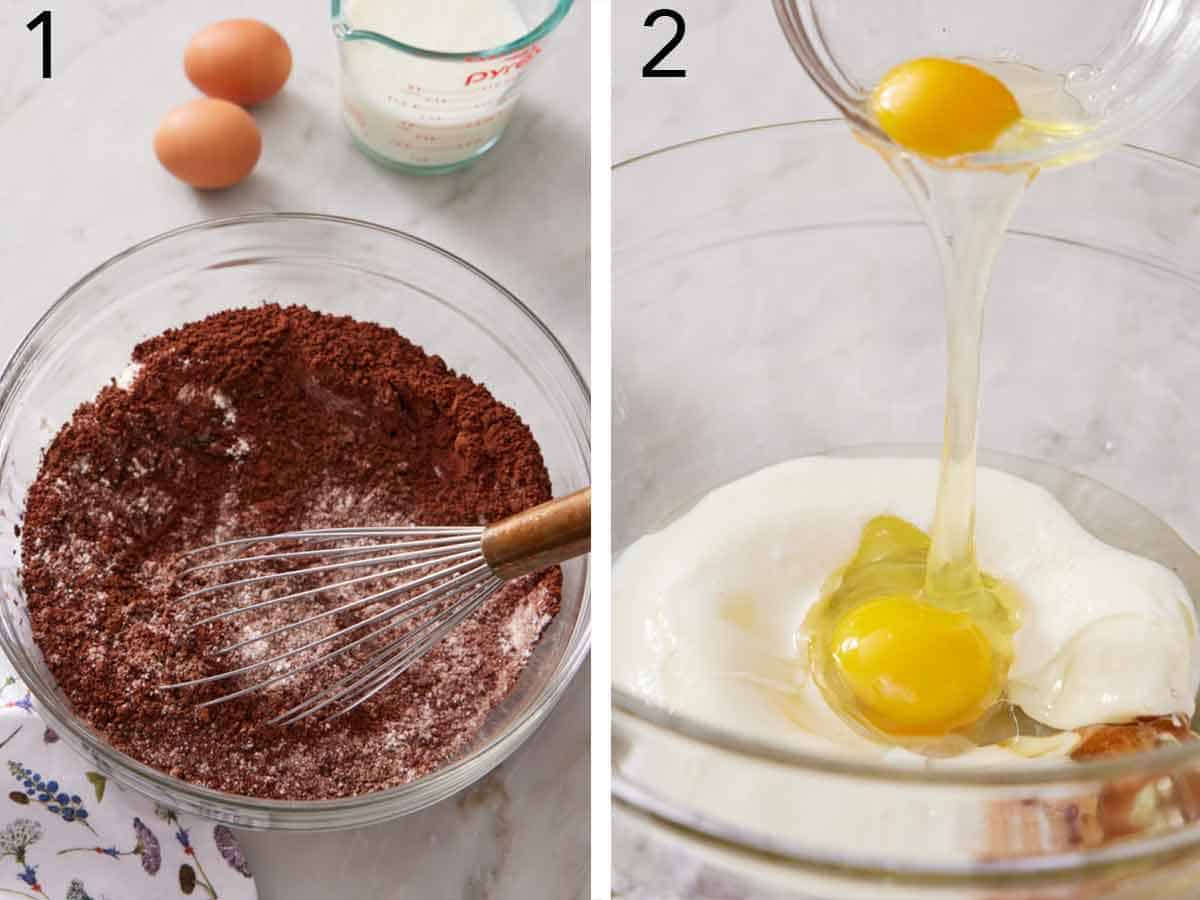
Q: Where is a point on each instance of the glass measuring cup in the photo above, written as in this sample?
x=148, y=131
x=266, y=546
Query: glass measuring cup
x=415, y=101
x=1121, y=62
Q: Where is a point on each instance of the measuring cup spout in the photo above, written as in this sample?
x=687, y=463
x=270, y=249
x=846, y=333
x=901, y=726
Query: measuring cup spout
x=344, y=29
x=341, y=26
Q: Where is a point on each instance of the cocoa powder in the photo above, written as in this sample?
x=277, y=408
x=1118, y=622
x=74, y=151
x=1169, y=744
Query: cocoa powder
x=257, y=421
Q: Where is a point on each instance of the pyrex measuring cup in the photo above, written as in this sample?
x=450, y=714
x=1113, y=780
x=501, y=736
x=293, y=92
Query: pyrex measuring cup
x=1121, y=62
x=414, y=98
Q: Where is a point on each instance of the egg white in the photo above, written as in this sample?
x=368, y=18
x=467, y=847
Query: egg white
x=707, y=611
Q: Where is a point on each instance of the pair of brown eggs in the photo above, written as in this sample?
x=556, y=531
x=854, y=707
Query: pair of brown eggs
x=212, y=142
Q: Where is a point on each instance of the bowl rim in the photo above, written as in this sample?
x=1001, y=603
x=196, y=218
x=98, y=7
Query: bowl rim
x=343, y=29
x=1159, y=760
x=830, y=122
x=289, y=814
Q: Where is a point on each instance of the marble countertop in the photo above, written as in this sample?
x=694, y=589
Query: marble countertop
x=740, y=74
x=83, y=184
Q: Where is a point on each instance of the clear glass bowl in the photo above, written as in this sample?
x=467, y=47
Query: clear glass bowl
x=775, y=296
x=1122, y=62
x=333, y=265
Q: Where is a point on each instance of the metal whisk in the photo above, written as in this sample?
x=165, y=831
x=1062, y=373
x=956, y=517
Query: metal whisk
x=438, y=577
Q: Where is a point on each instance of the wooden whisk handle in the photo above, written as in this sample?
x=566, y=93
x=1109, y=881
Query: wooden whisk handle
x=554, y=532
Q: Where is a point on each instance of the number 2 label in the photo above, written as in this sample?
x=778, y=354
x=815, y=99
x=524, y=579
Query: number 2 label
x=651, y=70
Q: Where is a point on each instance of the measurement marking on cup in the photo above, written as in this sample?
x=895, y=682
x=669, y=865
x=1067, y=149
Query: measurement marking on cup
x=650, y=69
x=506, y=66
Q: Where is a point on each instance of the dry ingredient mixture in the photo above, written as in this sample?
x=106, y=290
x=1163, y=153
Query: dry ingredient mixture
x=256, y=421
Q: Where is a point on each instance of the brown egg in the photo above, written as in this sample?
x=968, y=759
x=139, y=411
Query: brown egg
x=208, y=143
x=241, y=60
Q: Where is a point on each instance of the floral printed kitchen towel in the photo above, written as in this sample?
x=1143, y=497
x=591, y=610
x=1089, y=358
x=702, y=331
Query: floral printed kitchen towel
x=67, y=833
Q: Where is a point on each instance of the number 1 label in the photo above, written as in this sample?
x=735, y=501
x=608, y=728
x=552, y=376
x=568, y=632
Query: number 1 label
x=42, y=21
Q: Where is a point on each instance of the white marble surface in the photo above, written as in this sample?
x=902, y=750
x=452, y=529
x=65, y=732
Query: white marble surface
x=742, y=74
x=82, y=183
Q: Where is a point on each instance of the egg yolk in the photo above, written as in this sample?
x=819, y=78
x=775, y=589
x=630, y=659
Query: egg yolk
x=914, y=669
x=906, y=658
x=943, y=108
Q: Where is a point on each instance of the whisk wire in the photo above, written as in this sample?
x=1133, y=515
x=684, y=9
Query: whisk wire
x=318, y=570
x=428, y=596
x=446, y=543
x=446, y=574
x=406, y=659
x=341, y=585
x=401, y=653
x=474, y=564
x=325, y=534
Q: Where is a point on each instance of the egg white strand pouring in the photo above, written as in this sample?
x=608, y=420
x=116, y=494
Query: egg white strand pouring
x=967, y=213
x=967, y=210
x=901, y=669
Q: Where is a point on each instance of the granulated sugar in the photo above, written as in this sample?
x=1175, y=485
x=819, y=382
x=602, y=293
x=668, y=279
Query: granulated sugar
x=260, y=421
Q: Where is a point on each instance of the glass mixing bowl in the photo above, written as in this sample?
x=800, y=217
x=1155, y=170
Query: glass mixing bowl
x=332, y=265
x=776, y=296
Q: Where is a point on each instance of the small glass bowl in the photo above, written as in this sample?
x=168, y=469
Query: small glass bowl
x=791, y=306
x=1123, y=62
x=332, y=265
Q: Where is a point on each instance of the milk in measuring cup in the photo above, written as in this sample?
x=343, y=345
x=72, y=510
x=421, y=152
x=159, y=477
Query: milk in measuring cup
x=431, y=112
